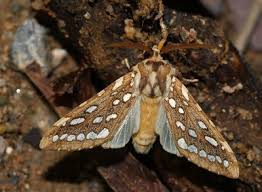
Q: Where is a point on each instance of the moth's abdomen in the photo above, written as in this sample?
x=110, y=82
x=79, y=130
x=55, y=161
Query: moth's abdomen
x=143, y=143
x=145, y=137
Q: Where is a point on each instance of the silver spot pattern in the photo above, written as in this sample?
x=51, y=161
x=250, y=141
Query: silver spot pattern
x=202, y=153
x=116, y=102
x=126, y=97
x=77, y=121
x=103, y=134
x=211, y=158
x=182, y=143
x=226, y=163
x=80, y=137
x=97, y=120
x=192, y=149
x=211, y=140
x=63, y=136
x=91, y=109
x=202, y=125
x=172, y=102
x=180, y=125
x=181, y=110
x=111, y=116
x=71, y=138
x=92, y=135
x=55, y=138
x=219, y=160
x=192, y=133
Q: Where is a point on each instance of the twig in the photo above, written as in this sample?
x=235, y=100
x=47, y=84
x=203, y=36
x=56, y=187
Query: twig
x=243, y=37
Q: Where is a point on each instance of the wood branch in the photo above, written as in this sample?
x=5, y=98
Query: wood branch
x=243, y=37
x=33, y=72
x=90, y=26
x=120, y=177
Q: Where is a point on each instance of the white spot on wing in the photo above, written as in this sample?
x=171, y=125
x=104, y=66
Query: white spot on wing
x=71, y=138
x=180, y=125
x=118, y=83
x=116, y=102
x=80, y=137
x=91, y=109
x=92, y=135
x=63, y=136
x=103, y=134
x=225, y=163
x=181, y=110
x=202, y=125
x=185, y=92
x=111, y=116
x=126, y=97
x=202, y=153
x=172, y=102
x=211, y=140
x=77, y=121
x=211, y=158
x=192, y=149
x=98, y=120
x=218, y=159
x=192, y=133
x=182, y=143
x=55, y=138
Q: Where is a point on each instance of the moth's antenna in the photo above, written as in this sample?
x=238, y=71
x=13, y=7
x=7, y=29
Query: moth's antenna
x=131, y=45
x=162, y=25
x=180, y=46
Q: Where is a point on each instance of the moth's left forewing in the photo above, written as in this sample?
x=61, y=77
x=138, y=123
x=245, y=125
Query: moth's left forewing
x=97, y=120
x=195, y=135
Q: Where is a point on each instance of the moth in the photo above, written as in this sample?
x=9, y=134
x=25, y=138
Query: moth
x=148, y=102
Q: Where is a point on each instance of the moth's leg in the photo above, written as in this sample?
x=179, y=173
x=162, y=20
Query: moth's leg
x=126, y=63
x=185, y=80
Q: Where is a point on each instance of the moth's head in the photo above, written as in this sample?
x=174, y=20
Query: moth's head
x=154, y=75
x=156, y=64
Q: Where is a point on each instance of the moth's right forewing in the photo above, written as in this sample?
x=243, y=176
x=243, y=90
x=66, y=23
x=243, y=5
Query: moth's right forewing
x=195, y=135
x=96, y=121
